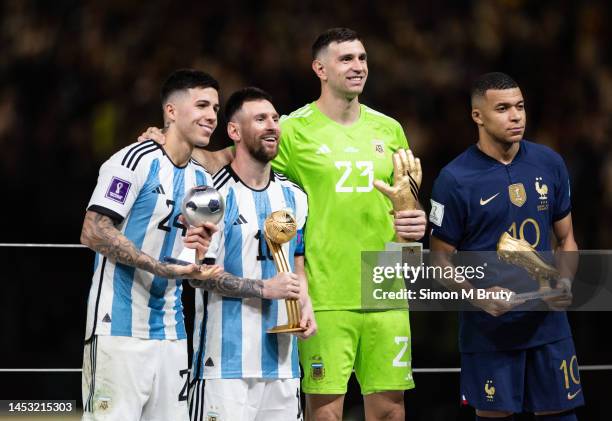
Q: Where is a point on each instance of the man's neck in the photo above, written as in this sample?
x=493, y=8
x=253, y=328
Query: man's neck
x=177, y=148
x=253, y=173
x=342, y=110
x=502, y=152
x=200, y=155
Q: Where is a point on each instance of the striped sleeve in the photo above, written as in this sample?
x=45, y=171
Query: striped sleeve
x=120, y=180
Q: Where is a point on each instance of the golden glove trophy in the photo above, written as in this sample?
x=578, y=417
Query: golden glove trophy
x=404, y=195
x=520, y=253
x=279, y=228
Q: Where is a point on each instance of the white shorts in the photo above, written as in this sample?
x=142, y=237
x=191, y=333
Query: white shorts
x=134, y=379
x=245, y=400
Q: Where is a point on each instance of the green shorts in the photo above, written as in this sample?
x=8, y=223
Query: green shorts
x=375, y=343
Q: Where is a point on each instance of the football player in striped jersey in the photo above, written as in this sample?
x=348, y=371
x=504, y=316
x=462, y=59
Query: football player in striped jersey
x=135, y=314
x=250, y=374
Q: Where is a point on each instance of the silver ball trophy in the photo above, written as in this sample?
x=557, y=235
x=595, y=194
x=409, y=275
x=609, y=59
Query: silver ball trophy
x=201, y=204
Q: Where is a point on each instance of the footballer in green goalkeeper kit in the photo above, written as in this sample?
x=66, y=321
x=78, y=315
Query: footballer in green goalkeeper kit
x=335, y=148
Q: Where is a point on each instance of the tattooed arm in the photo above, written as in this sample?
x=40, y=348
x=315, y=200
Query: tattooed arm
x=99, y=234
x=283, y=285
x=231, y=286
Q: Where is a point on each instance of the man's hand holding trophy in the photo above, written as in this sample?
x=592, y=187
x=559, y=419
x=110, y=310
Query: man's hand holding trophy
x=202, y=208
x=520, y=253
x=404, y=196
x=279, y=228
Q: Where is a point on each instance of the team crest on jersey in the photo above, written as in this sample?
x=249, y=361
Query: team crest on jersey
x=489, y=390
x=379, y=147
x=103, y=404
x=212, y=416
x=542, y=190
x=517, y=194
x=317, y=369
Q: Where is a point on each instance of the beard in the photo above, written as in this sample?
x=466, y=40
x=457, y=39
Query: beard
x=258, y=151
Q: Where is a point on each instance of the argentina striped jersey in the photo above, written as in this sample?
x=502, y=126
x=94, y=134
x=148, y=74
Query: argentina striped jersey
x=230, y=339
x=141, y=190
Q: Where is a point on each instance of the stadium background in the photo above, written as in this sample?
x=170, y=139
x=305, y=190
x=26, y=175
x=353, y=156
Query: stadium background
x=79, y=80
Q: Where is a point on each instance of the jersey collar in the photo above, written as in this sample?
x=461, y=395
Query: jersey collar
x=237, y=178
x=325, y=119
x=484, y=158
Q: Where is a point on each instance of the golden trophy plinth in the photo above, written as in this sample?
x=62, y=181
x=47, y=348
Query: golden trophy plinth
x=279, y=228
x=404, y=195
x=520, y=253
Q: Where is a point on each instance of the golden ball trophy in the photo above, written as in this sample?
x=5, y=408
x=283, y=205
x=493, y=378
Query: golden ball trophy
x=520, y=253
x=404, y=195
x=279, y=228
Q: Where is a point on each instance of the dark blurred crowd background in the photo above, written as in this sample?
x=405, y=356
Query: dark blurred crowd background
x=79, y=80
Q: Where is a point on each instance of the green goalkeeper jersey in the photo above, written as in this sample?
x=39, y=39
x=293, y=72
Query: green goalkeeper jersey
x=336, y=165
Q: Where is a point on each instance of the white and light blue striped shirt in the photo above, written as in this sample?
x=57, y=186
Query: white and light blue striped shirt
x=141, y=190
x=230, y=339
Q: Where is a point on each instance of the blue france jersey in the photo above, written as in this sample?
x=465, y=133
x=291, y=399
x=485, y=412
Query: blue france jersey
x=474, y=200
x=230, y=339
x=141, y=190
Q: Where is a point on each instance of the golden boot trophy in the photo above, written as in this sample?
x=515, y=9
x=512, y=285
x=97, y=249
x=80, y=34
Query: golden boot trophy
x=279, y=228
x=520, y=253
x=404, y=195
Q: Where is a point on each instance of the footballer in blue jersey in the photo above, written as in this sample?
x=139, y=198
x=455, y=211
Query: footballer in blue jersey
x=241, y=372
x=135, y=317
x=512, y=361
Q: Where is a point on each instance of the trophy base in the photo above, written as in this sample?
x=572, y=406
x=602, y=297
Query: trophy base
x=526, y=296
x=411, y=253
x=285, y=329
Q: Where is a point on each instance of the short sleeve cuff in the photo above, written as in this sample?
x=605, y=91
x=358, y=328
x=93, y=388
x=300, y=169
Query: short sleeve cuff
x=562, y=215
x=106, y=212
x=444, y=238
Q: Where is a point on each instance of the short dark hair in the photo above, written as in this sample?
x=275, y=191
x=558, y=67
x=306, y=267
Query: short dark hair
x=333, y=35
x=235, y=101
x=493, y=80
x=184, y=79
